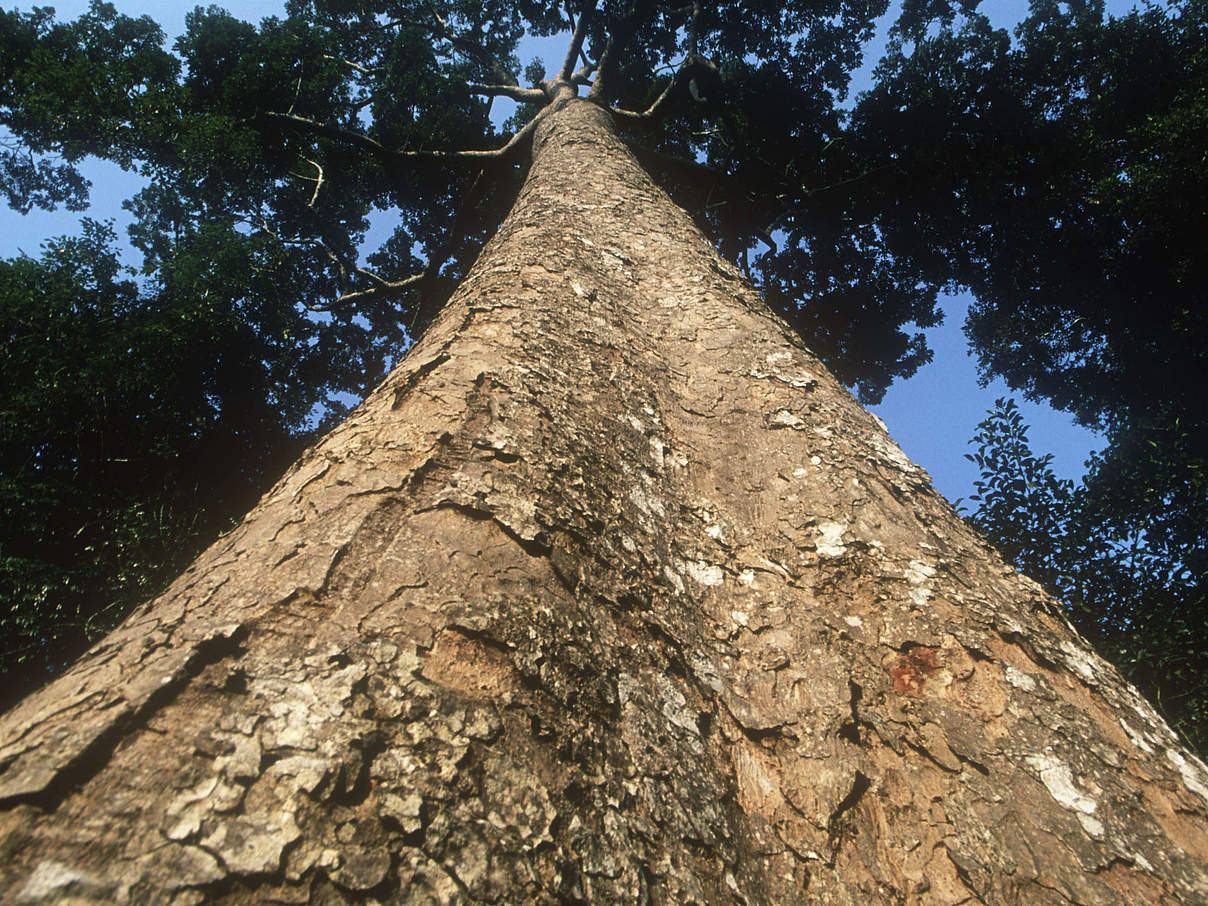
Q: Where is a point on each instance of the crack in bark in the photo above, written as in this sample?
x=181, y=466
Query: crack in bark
x=850, y=729
x=94, y=755
x=836, y=826
x=414, y=376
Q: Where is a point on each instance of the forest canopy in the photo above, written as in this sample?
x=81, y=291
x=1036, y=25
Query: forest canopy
x=1057, y=174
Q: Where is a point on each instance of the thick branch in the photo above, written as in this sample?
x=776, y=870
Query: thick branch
x=583, y=76
x=361, y=140
x=612, y=47
x=514, y=143
x=515, y=92
x=620, y=30
x=566, y=74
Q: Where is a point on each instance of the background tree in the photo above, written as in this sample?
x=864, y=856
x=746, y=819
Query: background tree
x=1128, y=592
x=139, y=422
x=1060, y=178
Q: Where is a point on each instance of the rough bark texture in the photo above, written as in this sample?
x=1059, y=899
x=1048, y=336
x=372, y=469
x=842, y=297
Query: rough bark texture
x=610, y=593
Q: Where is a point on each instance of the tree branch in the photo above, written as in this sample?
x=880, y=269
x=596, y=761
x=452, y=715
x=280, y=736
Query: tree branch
x=382, y=288
x=620, y=29
x=583, y=76
x=382, y=285
x=498, y=71
x=612, y=45
x=692, y=32
x=515, y=92
x=654, y=109
x=695, y=69
x=364, y=141
x=318, y=182
x=363, y=70
x=337, y=132
x=566, y=74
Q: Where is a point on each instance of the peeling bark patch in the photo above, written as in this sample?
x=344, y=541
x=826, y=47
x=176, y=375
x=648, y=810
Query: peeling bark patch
x=1193, y=774
x=470, y=666
x=708, y=574
x=785, y=418
x=829, y=542
x=1019, y=679
x=42, y=774
x=1059, y=781
x=918, y=572
x=910, y=671
x=413, y=376
x=249, y=846
x=1081, y=661
x=54, y=882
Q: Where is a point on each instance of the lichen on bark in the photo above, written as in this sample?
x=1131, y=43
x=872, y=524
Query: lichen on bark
x=610, y=593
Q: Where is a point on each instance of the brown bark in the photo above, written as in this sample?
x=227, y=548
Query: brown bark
x=610, y=593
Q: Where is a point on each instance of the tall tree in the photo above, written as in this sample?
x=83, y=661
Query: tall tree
x=611, y=592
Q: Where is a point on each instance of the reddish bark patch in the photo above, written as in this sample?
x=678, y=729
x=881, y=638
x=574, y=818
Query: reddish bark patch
x=909, y=671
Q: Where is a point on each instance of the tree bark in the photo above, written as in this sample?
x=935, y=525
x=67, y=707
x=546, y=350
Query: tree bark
x=610, y=593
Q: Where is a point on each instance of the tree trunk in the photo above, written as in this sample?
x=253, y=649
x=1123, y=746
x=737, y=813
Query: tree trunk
x=610, y=593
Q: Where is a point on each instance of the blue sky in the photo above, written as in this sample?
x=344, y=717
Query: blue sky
x=932, y=415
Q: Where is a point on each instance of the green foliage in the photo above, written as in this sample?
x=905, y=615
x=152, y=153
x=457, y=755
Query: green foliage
x=1128, y=584
x=138, y=423
x=1061, y=177
x=81, y=88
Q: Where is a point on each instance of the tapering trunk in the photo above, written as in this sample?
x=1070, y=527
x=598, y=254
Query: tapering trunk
x=610, y=593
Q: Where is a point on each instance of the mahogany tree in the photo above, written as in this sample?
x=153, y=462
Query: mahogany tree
x=268, y=150
x=610, y=591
